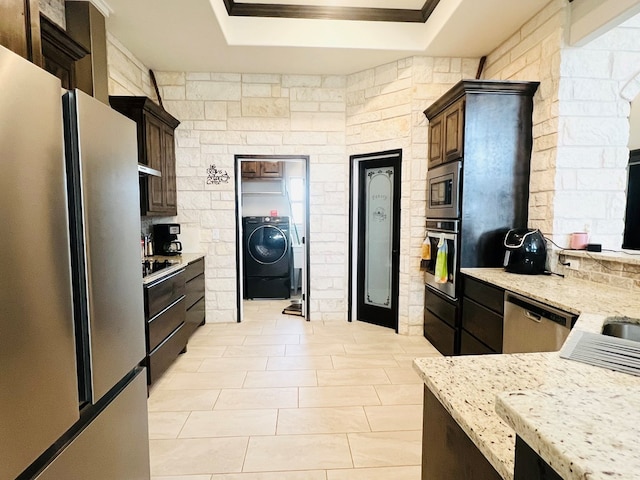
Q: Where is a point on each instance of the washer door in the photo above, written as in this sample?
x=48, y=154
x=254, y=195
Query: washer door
x=267, y=244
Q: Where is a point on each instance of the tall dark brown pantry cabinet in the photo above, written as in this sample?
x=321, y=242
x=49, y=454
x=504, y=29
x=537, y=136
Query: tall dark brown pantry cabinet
x=156, y=149
x=483, y=128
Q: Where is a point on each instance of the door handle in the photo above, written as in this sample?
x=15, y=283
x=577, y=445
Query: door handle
x=533, y=316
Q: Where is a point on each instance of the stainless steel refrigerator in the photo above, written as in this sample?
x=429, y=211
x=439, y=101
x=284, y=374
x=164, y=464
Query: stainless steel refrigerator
x=72, y=394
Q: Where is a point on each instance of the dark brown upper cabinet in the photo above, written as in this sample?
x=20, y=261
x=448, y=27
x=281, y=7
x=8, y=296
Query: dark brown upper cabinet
x=446, y=131
x=261, y=169
x=60, y=53
x=156, y=149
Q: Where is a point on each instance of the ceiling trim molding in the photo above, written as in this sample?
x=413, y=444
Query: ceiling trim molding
x=331, y=13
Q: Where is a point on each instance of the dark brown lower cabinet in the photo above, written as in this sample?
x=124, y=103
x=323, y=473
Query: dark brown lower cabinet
x=165, y=308
x=447, y=451
x=440, y=323
x=530, y=466
x=194, y=292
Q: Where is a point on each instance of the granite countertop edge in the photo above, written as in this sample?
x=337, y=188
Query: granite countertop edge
x=182, y=261
x=502, y=408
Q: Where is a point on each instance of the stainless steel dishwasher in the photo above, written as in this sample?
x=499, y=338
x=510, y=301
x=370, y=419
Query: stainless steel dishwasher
x=531, y=326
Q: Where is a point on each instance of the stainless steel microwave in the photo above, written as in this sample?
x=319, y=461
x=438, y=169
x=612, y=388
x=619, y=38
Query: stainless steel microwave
x=443, y=191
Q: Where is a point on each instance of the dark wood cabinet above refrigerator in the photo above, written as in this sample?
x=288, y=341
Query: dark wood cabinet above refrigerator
x=156, y=149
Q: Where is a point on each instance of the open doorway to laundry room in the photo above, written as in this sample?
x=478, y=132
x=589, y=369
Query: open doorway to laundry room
x=272, y=227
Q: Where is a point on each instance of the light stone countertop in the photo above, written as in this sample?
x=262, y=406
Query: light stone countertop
x=181, y=261
x=557, y=406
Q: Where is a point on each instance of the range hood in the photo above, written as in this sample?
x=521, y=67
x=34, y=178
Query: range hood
x=147, y=170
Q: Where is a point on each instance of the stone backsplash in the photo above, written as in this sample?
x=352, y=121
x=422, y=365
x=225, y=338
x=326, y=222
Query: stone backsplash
x=618, y=269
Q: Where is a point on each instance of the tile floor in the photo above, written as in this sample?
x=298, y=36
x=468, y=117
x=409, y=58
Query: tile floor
x=279, y=398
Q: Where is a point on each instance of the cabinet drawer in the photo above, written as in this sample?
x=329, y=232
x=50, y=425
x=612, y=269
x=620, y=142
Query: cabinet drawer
x=163, y=356
x=162, y=294
x=195, y=316
x=194, y=269
x=469, y=345
x=194, y=290
x=485, y=294
x=440, y=307
x=482, y=323
x=160, y=326
x=440, y=334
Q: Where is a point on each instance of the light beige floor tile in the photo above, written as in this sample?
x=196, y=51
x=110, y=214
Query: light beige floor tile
x=353, y=376
x=272, y=339
x=400, y=394
x=278, y=378
x=420, y=349
x=197, y=456
x=387, y=418
x=340, y=396
x=363, y=361
x=315, y=349
x=182, y=400
x=327, y=339
x=255, y=351
x=230, y=423
x=184, y=363
x=405, y=360
x=199, y=351
x=234, y=328
x=379, y=473
x=380, y=449
x=166, y=424
x=300, y=363
x=371, y=387
x=183, y=477
x=373, y=348
x=240, y=398
x=205, y=380
x=296, y=421
x=288, y=329
x=213, y=340
x=303, y=475
x=403, y=376
x=297, y=452
x=229, y=364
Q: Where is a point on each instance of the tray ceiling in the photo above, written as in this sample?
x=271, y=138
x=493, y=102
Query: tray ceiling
x=357, y=10
x=201, y=35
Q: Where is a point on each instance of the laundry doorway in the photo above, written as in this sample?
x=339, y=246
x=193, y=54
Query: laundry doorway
x=272, y=232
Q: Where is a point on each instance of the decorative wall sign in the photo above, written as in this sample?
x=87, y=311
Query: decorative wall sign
x=215, y=176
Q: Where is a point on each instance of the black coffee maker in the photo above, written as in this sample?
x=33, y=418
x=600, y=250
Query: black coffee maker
x=165, y=239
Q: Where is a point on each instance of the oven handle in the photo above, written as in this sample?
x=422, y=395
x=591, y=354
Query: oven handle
x=446, y=236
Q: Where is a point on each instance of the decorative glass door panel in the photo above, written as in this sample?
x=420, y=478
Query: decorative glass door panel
x=378, y=236
x=377, y=229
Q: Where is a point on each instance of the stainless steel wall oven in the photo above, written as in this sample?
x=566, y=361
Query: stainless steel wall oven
x=448, y=231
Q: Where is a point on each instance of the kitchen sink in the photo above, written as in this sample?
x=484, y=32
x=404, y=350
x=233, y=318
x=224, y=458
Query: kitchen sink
x=622, y=327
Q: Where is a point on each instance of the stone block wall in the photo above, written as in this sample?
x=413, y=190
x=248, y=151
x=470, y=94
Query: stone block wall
x=329, y=118
x=127, y=74
x=227, y=114
x=533, y=53
x=607, y=268
x=54, y=10
x=581, y=125
x=385, y=108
